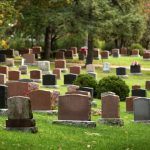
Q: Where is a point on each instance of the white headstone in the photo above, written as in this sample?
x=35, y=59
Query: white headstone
x=44, y=66
x=106, y=67
x=90, y=68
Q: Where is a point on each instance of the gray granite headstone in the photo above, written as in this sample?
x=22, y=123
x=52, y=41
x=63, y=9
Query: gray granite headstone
x=141, y=109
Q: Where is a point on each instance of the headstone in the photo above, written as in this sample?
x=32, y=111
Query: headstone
x=111, y=110
x=16, y=88
x=25, y=51
x=107, y=93
x=20, y=115
x=2, y=58
x=135, y=69
x=93, y=74
x=90, y=68
x=36, y=50
x=146, y=56
x=60, y=55
x=16, y=53
x=44, y=66
x=29, y=59
x=134, y=87
x=115, y=52
x=57, y=72
x=49, y=80
x=75, y=109
x=106, y=67
x=80, y=93
x=129, y=103
x=124, y=51
x=141, y=109
x=60, y=64
x=139, y=93
x=2, y=78
x=75, y=70
x=72, y=88
x=14, y=75
x=40, y=100
x=81, y=56
x=87, y=89
x=23, y=69
x=96, y=54
x=74, y=49
x=10, y=62
x=135, y=53
x=8, y=52
x=104, y=54
x=147, y=85
x=25, y=80
x=22, y=61
x=69, y=54
x=4, y=70
x=36, y=75
x=3, y=96
x=121, y=72
x=69, y=78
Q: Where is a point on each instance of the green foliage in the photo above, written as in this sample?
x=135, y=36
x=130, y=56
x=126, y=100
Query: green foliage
x=85, y=80
x=137, y=46
x=99, y=44
x=114, y=84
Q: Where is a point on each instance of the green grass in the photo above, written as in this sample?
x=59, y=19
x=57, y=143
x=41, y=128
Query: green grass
x=131, y=136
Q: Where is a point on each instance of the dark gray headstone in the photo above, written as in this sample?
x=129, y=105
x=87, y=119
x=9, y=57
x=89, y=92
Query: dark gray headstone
x=69, y=78
x=49, y=79
x=141, y=109
x=81, y=56
x=139, y=93
x=121, y=71
x=135, y=69
x=2, y=57
x=88, y=89
x=69, y=54
x=3, y=96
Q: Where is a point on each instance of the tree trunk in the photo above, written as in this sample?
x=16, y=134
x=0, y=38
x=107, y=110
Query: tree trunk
x=47, y=46
x=89, y=59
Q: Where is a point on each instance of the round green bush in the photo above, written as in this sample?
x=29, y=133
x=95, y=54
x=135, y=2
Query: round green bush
x=114, y=84
x=86, y=80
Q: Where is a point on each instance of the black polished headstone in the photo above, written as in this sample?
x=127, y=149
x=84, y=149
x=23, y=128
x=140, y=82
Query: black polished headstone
x=69, y=54
x=49, y=79
x=135, y=69
x=2, y=57
x=120, y=71
x=3, y=96
x=69, y=78
x=87, y=89
x=139, y=93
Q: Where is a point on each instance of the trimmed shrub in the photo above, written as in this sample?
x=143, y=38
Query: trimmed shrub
x=85, y=80
x=114, y=84
x=137, y=46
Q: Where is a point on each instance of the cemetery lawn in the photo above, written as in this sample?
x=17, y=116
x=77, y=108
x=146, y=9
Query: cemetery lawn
x=132, y=136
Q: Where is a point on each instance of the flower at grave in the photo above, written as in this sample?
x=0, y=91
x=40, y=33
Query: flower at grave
x=135, y=63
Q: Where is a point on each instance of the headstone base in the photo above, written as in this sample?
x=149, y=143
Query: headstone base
x=89, y=124
x=23, y=129
x=112, y=121
x=142, y=121
x=135, y=55
x=37, y=80
x=3, y=111
x=123, y=76
x=148, y=59
x=137, y=74
x=51, y=86
x=31, y=64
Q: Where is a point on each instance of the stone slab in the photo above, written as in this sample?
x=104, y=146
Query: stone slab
x=89, y=124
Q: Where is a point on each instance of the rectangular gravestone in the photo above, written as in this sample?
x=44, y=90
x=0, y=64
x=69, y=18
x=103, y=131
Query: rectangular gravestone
x=20, y=115
x=135, y=69
x=44, y=66
x=36, y=75
x=3, y=96
x=75, y=69
x=49, y=80
x=106, y=67
x=40, y=100
x=139, y=93
x=87, y=89
x=69, y=78
x=69, y=54
x=142, y=109
x=14, y=75
x=2, y=58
